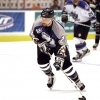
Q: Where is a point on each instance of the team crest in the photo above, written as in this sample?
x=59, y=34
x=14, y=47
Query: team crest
x=39, y=30
x=61, y=51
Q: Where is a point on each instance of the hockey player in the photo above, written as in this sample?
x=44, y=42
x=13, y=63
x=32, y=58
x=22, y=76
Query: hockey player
x=50, y=38
x=95, y=5
x=81, y=13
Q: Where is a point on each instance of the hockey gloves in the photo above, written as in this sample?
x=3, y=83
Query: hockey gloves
x=44, y=47
x=96, y=26
x=60, y=58
x=64, y=17
x=36, y=40
x=58, y=62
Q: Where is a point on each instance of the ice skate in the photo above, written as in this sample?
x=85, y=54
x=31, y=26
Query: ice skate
x=86, y=52
x=78, y=57
x=95, y=46
x=80, y=85
x=51, y=81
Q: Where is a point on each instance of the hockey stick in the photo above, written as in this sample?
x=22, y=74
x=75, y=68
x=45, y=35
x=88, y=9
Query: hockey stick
x=83, y=97
x=81, y=24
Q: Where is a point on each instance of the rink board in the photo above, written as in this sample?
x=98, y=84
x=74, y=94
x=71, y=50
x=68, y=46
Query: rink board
x=16, y=25
x=27, y=37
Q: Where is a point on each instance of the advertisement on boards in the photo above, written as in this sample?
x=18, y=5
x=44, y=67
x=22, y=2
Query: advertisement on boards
x=12, y=22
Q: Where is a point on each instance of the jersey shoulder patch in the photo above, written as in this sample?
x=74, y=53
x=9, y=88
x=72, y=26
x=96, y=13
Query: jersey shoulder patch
x=84, y=5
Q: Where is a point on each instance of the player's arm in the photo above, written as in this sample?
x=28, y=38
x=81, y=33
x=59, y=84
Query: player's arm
x=47, y=43
x=33, y=35
x=44, y=40
x=95, y=23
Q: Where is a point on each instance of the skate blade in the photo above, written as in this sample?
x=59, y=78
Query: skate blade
x=78, y=60
x=87, y=54
x=53, y=83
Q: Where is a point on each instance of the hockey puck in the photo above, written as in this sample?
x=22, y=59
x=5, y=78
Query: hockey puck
x=83, y=98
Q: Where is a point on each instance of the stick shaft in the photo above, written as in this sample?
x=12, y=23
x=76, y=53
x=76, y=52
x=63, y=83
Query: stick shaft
x=81, y=24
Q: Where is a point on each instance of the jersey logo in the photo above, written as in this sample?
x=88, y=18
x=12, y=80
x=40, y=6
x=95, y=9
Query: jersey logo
x=62, y=51
x=75, y=16
x=39, y=30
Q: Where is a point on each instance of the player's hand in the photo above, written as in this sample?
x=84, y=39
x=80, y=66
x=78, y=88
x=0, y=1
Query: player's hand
x=58, y=64
x=36, y=40
x=96, y=26
x=64, y=17
x=44, y=47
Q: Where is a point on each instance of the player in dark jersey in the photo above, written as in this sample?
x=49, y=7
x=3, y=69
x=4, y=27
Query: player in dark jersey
x=49, y=35
x=95, y=5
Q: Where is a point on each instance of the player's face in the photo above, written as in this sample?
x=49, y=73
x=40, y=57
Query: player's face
x=75, y=2
x=46, y=21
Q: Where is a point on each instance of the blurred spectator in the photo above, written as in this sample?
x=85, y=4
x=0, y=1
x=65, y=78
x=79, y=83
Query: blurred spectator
x=66, y=1
x=36, y=7
x=55, y=5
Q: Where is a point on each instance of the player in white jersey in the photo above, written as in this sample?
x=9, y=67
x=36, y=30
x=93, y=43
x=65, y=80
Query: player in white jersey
x=49, y=35
x=81, y=13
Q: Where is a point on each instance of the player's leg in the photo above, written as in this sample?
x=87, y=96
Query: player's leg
x=97, y=37
x=44, y=64
x=71, y=72
x=80, y=36
x=81, y=49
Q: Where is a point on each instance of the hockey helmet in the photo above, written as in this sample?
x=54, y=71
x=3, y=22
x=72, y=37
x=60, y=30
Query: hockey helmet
x=47, y=13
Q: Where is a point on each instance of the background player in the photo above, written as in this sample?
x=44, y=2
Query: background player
x=50, y=38
x=81, y=13
x=95, y=5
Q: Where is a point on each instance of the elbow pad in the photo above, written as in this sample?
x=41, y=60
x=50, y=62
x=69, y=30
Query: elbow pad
x=64, y=17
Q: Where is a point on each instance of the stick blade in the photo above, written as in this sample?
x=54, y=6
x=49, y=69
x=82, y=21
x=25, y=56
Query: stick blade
x=83, y=98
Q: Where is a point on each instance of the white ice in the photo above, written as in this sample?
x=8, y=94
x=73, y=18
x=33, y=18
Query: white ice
x=22, y=79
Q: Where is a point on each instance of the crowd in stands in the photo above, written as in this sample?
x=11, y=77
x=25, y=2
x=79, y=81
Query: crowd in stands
x=55, y=6
x=31, y=4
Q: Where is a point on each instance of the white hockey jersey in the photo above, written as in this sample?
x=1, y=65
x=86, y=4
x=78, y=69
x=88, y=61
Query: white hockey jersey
x=80, y=13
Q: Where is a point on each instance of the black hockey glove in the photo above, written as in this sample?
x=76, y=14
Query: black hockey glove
x=44, y=47
x=59, y=61
x=60, y=58
x=96, y=26
x=64, y=17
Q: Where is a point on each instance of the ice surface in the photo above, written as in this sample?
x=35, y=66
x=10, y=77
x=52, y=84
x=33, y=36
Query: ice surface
x=22, y=79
